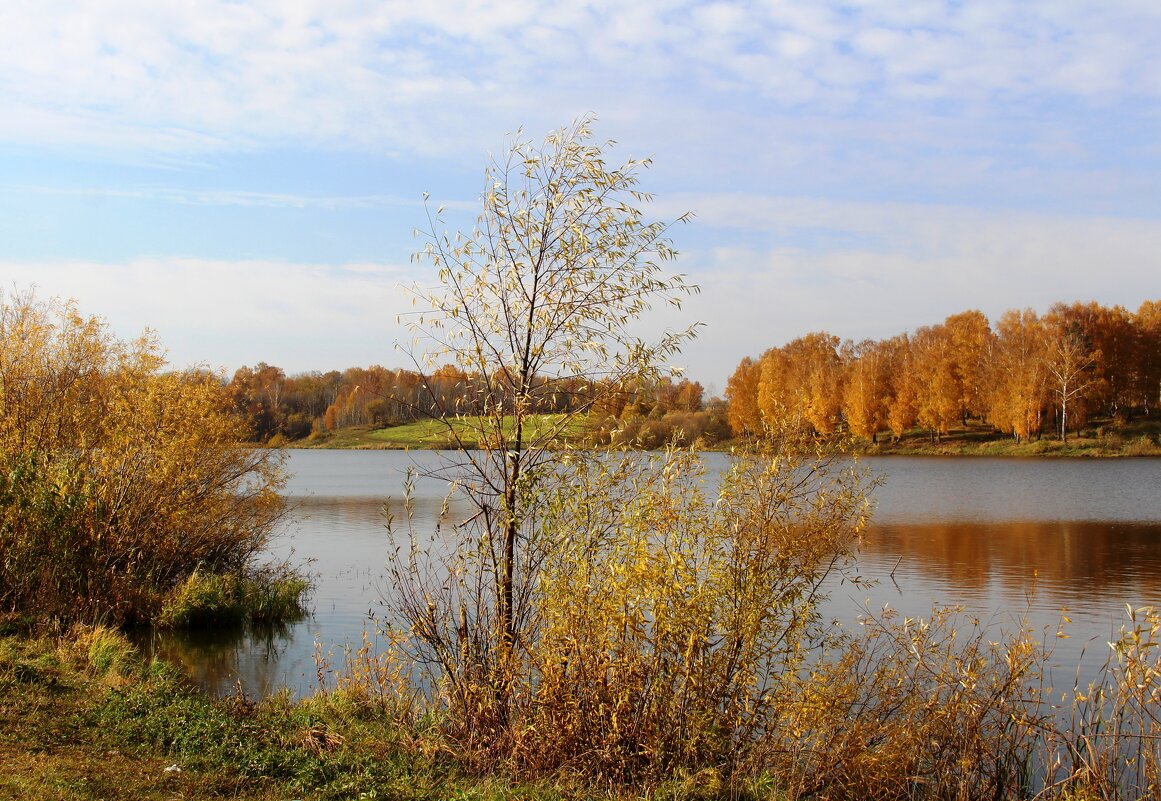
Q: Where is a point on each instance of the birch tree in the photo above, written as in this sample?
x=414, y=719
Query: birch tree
x=1069, y=361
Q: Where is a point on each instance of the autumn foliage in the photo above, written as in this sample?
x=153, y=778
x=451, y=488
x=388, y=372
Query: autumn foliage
x=118, y=480
x=1026, y=375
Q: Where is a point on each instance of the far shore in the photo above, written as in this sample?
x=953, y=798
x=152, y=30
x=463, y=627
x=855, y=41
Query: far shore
x=1099, y=438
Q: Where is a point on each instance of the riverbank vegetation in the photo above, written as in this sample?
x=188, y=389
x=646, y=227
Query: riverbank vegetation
x=1101, y=437
x=600, y=624
x=120, y=482
x=625, y=621
x=903, y=709
x=377, y=407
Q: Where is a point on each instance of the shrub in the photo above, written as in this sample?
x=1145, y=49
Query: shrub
x=662, y=619
x=233, y=598
x=1144, y=445
x=117, y=479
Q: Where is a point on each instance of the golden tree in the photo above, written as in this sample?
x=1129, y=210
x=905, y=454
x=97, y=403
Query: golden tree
x=801, y=384
x=744, y=414
x=938, y=400
x=904, y=386
x=1147, y=321
x=969, y=333
x=1018, y=374
x=1070, y=364
x=866, y=386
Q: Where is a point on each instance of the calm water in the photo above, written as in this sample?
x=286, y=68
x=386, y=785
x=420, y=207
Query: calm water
x=1009, y=540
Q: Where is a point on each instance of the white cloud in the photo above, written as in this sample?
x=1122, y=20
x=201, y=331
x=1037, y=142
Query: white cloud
x=430, y=77
x=230, y=313
x=882, y=269
x=242, y=198
x=1019, y=102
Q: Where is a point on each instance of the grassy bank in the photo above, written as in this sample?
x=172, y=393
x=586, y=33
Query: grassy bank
x=81, y=718
x=421, y=434
x=1102, y=438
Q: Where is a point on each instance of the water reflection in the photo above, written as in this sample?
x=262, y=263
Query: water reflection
x=223, y=659
x=1059, y=560
x=949, y=532
x=1015, y=574
x=342, y=543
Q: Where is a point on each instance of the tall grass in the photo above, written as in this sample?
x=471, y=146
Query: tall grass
x=272, y=594
x=943, y=707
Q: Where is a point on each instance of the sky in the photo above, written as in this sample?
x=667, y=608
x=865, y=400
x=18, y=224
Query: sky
x=244, y=178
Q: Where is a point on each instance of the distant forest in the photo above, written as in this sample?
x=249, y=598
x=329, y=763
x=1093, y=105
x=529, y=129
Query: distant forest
x=1025, y=376
x=282, y=408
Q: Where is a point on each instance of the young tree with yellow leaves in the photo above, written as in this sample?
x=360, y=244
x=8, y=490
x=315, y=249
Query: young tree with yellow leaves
x=866, y=387
x=1018, y=375
x=744, y=414
x=619, y=614
x=541, y=297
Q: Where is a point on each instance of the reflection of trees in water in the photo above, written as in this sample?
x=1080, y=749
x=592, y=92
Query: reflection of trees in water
x=361, y=515
x=1064, y=560
x=217, y=659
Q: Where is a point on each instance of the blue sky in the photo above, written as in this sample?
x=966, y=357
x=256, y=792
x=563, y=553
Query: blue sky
x=244, y=177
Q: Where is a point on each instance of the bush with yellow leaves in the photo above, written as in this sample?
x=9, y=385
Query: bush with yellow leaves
x=118, y=479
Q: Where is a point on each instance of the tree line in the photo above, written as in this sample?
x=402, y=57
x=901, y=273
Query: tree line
x=644, y=412
x=1026, y=375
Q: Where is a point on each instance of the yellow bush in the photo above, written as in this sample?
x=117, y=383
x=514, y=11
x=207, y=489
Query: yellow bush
x=117, y=479
x=666, y=611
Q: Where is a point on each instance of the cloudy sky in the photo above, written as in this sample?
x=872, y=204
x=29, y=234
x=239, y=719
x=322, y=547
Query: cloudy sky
x=244, y=176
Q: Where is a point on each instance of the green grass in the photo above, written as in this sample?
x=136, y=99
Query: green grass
x=430, y=434
x=1101, y=438
x=68, y=731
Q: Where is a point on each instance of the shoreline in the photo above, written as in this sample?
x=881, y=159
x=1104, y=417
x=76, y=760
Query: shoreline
x=1103, y=439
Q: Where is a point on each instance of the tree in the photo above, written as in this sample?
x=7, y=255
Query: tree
x=1147, y=321
x=816, y=355
x=800, y=384
x=1069, y=360
x=902, y=400
x=779, y=390
x=938, y=400
x=865, y=387
x=1018, y=374
x=1112, y=336
x=543, y=295
x=969, y=333
x=744, y=414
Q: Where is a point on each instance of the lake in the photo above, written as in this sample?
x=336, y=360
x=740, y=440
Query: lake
x=1008, y=539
